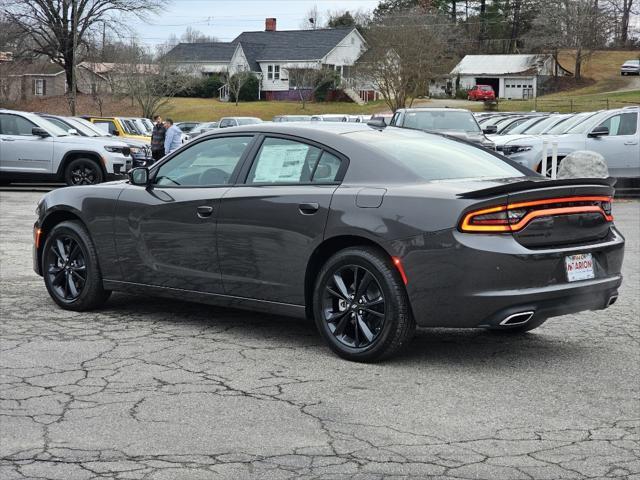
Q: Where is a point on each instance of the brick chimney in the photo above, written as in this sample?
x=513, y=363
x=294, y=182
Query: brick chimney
x=270, y=25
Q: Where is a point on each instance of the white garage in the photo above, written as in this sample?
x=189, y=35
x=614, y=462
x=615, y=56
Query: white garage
x=515, y=77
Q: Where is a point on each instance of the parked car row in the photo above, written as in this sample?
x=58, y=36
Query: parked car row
x=615, y=134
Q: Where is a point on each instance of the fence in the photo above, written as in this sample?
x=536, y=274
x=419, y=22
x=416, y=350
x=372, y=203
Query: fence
x=564, y=106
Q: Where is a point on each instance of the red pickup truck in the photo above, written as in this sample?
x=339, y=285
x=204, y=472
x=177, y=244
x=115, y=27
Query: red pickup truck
x=481, y=92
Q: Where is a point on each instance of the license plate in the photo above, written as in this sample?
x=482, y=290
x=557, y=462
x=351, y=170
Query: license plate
x=579, y=267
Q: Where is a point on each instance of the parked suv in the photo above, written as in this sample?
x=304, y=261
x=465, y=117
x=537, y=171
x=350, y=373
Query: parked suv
x=32, y=148
x=481, y=92
x=615, y=134
x=455, y=122
x=140, y=151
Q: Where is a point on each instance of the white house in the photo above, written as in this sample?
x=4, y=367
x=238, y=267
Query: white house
x=272, y=54
x=511, y=76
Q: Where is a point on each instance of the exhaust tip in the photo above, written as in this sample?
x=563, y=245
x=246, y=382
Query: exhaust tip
x=612, y=300
x=517, y=319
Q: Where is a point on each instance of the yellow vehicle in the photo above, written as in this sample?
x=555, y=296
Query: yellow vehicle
x=119, y=127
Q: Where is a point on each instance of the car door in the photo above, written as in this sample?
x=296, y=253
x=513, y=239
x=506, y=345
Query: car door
x=21, y=150
x=621, y=148
x=269, y=225
x=165, y=233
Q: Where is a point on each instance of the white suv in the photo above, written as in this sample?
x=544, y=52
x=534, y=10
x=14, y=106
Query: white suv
x=32, y=148
x=615, y=134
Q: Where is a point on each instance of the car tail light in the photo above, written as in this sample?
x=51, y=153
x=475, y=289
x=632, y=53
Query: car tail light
x=513, y=217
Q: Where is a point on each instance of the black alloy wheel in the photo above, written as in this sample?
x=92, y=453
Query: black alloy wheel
x=360, y=305
x=83, y=171
x=70, y=268
x=354, y=306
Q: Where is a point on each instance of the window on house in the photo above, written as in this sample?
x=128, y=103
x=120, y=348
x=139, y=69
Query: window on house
x=269, y=72
x=276, y=72
x=39, y=87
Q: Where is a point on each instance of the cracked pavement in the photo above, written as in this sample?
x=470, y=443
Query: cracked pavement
x=149, y=388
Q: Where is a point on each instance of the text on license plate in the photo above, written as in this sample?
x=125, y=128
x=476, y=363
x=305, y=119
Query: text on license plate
x=579, y=267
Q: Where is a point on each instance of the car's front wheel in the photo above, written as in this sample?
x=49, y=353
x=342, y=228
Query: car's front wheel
x=70, y=268
x=83, y=171
x=360, y=305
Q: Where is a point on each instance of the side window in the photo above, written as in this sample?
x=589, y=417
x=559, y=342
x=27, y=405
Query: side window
x=207, y=163
x=227, y=122
x=106, y=126
x=327, y=169
x=15, y=125
x=622, y=124
x=283, y=161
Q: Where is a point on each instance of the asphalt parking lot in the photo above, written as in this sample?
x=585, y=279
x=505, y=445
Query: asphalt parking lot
x=158, y=389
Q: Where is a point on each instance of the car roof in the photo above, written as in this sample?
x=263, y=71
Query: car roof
x=434, y=109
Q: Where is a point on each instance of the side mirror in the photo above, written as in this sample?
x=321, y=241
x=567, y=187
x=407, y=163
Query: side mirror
x=490, y=130
x=377, y=123
x=39, y=132
x=116, y=133
x=139, y=176
x=599, y=131
x=72, y=131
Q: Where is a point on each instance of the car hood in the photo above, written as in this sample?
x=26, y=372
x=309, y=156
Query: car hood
x=504, y=139
x=90, y=141
x=468, y=136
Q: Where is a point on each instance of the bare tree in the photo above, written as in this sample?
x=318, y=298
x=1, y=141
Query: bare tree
x=623, y=10
x=191, y=35
x=150, y=85
x=312, y=19
x=59, y=29
x=405, y=52
x=307, y=81
x=579, y=25
x=236, y=82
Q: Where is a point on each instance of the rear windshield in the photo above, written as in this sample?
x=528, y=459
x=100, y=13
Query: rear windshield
x=431, y=157
x=439, y=120
x=486, y=88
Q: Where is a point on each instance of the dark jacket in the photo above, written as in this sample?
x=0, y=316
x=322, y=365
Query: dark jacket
x=157, y=137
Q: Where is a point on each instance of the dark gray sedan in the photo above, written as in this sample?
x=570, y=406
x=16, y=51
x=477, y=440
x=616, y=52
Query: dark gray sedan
x=369, y=231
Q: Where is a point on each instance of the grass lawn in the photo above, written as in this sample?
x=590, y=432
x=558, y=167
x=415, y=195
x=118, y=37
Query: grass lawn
x=206, y=109
x=573, y=102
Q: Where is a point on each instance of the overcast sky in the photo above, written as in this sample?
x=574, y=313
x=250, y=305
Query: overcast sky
x=225, y=19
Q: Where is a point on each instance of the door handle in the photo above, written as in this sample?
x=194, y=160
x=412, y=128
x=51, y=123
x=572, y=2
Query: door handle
x=308, y=208
x=204, y=211
x=630, y=142
x=8, y=139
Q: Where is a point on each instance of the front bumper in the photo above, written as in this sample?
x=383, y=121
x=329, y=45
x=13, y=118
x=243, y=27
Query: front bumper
x=475, y=280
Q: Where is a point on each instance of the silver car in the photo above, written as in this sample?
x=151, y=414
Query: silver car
x=630, y=67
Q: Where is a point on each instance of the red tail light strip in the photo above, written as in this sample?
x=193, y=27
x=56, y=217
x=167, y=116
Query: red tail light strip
x=398, y=264
x=468, y=226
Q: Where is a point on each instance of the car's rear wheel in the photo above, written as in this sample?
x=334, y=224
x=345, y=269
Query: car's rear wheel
x=360, y=305
x=83, y=171
x=70, y=268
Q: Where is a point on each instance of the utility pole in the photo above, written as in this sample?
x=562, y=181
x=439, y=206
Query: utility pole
x=74, y=43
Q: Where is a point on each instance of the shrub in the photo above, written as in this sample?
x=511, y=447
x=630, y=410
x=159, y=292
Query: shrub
x=249, y=91
x=206, y=87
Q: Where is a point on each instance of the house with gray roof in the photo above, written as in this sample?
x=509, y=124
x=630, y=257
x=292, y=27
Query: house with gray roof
x=273, y=54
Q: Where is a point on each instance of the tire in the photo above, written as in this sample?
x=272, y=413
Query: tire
x=384, y=328
x=83, y=171
x=71, y=240
x=518, y=329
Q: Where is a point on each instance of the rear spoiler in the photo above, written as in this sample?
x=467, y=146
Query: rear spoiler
x=537, y=184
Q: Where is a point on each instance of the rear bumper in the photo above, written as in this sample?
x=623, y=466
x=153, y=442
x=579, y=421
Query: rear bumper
x=468, y=280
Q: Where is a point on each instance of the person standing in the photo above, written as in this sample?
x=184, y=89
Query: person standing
x=158, y=135
x=173, y=137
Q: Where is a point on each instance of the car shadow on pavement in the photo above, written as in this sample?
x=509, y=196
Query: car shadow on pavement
x=435, y=346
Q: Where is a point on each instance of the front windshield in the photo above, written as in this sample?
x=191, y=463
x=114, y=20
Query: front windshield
x=588, y=124
x=543, y=125
x=129, y=127
x=440, y=120
x=52, y=128
x=90, y=127
x=565, y=126
x=248, y=121
x=525, y=125
x=82, y=128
